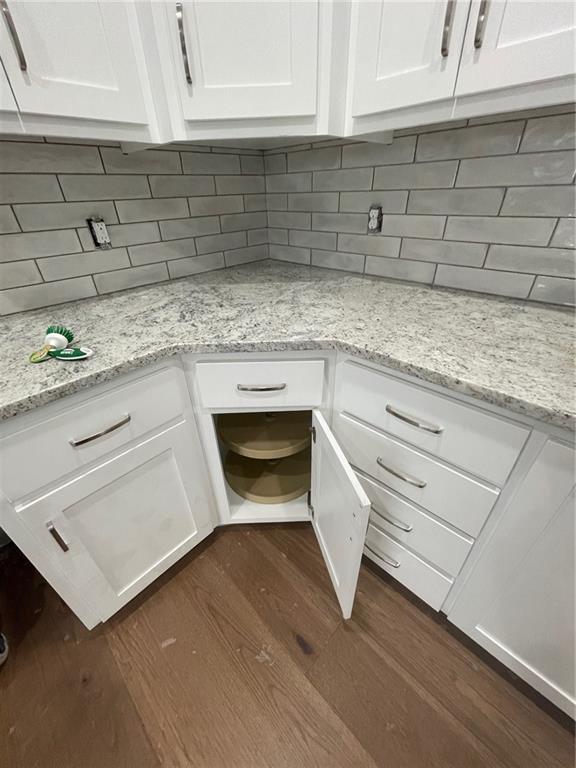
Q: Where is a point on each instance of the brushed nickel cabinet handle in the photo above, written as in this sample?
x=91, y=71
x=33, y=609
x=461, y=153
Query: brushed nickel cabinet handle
x=387, y=560
x=180, y=19
x=406, y=527
x=260, y=387
x=106, y=431
x=57, y=537
x=481, y=24
x=14, y=35
x=433, y=428
x=447, y=29
x=401, y=475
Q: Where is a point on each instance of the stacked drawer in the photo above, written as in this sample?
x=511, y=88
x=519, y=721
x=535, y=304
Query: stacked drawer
x=432, y=468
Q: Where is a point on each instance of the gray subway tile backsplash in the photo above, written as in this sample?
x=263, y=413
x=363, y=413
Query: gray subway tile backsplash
x=38, y=216
x=498, y=139
x=147, y=210
x=104, y=187
x=190, y=227
x=29, y=188
x=486, y=205
x=518, y=170
x=565, y=234
x=8, y=221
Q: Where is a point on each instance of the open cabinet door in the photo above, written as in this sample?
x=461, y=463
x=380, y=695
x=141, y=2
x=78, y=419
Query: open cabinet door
x=340, y=510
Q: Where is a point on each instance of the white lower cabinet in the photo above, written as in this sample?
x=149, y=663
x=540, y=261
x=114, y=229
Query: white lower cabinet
x=115, y=528
x=519, y=600
x=138, y=481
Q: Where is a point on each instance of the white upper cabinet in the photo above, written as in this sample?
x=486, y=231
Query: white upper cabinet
x=404, y=53
x=7, y=102
x=244, y=59
x=75, y=59
x=514, y=42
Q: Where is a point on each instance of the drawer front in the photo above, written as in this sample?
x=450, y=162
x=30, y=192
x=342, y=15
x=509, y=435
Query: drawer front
x=461, y=501
x=428, y=537
x=41, y=454
x=478, y=442
x=429, y=584
x=255, y=385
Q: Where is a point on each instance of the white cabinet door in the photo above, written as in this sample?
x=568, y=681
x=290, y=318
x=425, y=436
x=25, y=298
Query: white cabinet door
x=340, y=510
x=78, y=59
x=7, y=103
x=114, y=529
x=245, y=59
x=401, y=54
x=519, y=600
x=519, y=42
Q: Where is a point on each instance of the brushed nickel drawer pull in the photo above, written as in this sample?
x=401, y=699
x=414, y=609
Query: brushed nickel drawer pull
x=436, y=430
x=260, y=387
x=83, y=440
x=480, y=24
x=447, y=29
x=57, y=537
x=22, y=63
x=401, y=475
x=182, y=36
x=406, y=527
x=387, y=560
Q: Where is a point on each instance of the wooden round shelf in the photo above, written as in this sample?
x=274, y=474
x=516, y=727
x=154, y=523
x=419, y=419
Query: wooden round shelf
x=268, y=482
x=265, y=435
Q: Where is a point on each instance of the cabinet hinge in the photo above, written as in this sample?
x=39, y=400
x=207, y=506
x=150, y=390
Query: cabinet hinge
x=313, y=433
x=309, y=502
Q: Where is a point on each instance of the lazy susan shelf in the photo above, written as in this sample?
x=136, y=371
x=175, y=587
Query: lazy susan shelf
x=265, y=435
x=271, y=481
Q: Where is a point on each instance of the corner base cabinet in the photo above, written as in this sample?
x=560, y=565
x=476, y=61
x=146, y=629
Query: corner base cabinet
x=468, y=506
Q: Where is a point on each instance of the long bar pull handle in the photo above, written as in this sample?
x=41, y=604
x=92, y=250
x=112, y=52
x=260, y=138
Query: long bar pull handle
x=105, y=431
x=434, y=428
x=387, y=560
x=481, y=24
x=406, y=527
x=447, y=29
x=14, y=35
x=180, y=19
x=260, y=387
x=401, y=475
x=57, y=537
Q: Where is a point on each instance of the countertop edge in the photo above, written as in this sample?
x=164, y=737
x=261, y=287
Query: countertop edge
x=481, y=394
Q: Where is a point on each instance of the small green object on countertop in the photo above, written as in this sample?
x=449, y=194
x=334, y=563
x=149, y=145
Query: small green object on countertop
x=71, y=353
x=57, y=337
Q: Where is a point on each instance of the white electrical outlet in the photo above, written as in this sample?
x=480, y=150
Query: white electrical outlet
x=375, y=218
x=99, y=232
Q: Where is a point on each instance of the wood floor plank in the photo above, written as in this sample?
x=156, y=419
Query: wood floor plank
x=397, y=723
x=507, y=721
x=209, y=676
x=205, y=670
x=63, y=702
x=286, y=600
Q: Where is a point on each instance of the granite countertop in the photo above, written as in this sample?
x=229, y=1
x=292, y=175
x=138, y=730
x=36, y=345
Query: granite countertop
x=510, y=353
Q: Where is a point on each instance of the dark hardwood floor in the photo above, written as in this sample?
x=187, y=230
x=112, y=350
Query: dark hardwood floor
x=238, y=658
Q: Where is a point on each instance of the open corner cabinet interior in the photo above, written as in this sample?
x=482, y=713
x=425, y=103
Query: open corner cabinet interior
x=302, y=477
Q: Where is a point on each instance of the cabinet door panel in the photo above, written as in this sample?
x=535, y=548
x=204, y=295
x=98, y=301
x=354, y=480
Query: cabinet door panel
x=397, y=53
x=521, y=42
x=341, y=509
x=82, y=60
x=128, y=519
x=247, y=59
x=7, y=103
x=519, y=601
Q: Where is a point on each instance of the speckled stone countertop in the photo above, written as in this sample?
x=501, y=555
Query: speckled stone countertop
x=509, y=353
